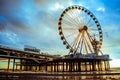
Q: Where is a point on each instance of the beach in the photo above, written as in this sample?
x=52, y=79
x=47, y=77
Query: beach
x=24, y=75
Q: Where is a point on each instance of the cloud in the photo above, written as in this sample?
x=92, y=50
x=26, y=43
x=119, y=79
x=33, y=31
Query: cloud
x=102, y=9
x=10, y=15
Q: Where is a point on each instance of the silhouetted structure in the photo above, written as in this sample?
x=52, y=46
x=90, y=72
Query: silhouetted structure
x=41, y=62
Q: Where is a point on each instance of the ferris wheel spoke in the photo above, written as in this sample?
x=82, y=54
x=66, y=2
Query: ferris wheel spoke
x=70, y=17
x=67, y=18
x=71, y=34
x=69, y=23
x=74, y=17
x=83, y=19
x=79, y=18
x=91, y=25
x=88, y=21
x=93, y=29
x=71, y=20
x=71, y=28
x=80, y=21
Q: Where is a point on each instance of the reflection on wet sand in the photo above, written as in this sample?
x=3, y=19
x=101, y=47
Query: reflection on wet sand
x=59, y=76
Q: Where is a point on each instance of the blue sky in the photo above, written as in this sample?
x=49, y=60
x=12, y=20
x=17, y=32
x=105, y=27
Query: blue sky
x=34, y=22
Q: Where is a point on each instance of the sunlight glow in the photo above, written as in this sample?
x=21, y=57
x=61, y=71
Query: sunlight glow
x=115, y=63
x=57, y=6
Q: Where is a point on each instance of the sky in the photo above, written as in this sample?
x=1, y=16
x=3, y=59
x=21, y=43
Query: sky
x=35, y=23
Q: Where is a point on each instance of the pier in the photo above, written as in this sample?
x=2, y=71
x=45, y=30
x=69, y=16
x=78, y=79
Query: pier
x=30, y=61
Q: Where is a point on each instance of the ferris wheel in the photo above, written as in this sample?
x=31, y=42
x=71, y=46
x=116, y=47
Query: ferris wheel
x=80, y=30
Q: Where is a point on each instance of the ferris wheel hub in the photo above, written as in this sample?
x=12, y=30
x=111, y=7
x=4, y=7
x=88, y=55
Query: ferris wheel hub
x=85, y=28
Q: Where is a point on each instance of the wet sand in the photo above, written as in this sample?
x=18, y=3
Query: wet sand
x=107, y=75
